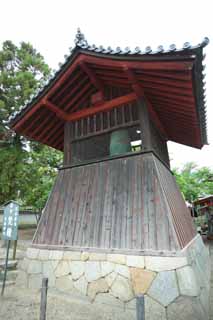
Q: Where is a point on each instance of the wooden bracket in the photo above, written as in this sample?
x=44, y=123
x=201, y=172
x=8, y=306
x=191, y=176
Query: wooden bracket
x=93, y=78
x=59, y=113
x=138, y=89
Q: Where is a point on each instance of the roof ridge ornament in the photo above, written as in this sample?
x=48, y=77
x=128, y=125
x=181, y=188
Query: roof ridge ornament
x=80, y=40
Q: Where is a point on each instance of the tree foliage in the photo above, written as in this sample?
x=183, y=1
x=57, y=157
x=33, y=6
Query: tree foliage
x=26, y=168
x=194, y=182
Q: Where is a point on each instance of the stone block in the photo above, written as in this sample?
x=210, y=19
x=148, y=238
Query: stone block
x=108, y=299
x=122, y=270
x=106, y=268
x=117, y=258
x=85, y=256
x=77, y=269
x=185, y=308
x=164, y=263
x=56, y=255
x=110, y=278
x=64, y=283
x=97, y=256
x=43, y=254
x=92, y=270
x=34, y=267
x=35, y=281
x=95, y=287
x=32, y=253
x=62, y=269
x=121, y=288
x=81, y=285
x=135, y=261
x=187, y=281
x=48, y=271
x=164, y=288
x=72, y=255
x=141, y=280
x=131, y=305
x=153, y=310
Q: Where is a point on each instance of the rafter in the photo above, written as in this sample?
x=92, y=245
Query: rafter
x=136, y=86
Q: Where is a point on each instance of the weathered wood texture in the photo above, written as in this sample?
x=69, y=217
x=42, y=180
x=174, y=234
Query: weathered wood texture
x=127, y=203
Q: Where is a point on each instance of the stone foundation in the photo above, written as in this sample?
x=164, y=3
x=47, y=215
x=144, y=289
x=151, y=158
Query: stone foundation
x=175, y=287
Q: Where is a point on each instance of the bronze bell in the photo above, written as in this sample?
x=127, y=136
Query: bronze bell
x=120, y=142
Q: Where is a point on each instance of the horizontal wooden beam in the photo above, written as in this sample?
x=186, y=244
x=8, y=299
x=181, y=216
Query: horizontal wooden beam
x=116, y=102
x=141, y=65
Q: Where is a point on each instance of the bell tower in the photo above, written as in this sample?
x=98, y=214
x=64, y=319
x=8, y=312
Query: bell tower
x=115, y=213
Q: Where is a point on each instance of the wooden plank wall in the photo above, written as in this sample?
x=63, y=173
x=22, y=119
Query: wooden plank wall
x=118, y=204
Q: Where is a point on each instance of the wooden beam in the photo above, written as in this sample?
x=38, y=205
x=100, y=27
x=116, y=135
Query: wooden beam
x=93, y=78
x=116, y=102
x=142, y=65
x=140, y=94
x=59, y=113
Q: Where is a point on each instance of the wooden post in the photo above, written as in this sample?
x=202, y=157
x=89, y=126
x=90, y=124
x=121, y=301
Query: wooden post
x=43, y=304
x=140, y=307
x=14, y=249
x=144, y=125
x=5, y=267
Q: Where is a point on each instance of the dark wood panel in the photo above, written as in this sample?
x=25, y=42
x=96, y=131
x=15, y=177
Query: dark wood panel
x=122, y=204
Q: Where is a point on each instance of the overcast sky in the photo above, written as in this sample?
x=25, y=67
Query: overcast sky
x=50, y=25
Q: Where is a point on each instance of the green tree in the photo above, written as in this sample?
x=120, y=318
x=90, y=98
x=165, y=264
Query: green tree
x=193, y=181
x=23, y=71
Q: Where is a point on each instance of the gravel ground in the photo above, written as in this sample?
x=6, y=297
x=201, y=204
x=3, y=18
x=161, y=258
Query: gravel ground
x=22, y=304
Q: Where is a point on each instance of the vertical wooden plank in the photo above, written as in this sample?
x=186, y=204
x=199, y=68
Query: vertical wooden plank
x=51, y=227
x=122, y=114
x=95, y=124
x=66, y=210
x=134, y=205
x=115, y=117
x=58, y=220
x=106, y=225
x=108, y=120
x=81, y=207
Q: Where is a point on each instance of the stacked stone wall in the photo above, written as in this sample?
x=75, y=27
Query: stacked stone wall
x=175, y=288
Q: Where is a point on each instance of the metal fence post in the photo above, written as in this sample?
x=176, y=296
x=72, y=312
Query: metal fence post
x=43, y=305
x=140, y=307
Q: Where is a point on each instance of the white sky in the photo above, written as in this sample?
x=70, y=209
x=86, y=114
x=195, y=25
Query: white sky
x=51, y=27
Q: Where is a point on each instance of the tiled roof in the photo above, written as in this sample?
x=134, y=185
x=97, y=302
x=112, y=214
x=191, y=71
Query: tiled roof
x=81, y=45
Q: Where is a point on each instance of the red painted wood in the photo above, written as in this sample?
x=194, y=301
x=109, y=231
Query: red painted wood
x=59, y=113
x=117, y=102
x=48, y=124
x=66, y=85
x=81, y=100
x=77, y=95
x=26, y=116
x=144, y=65
x=32, y=121
x=76, y=91
x=96, y=82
